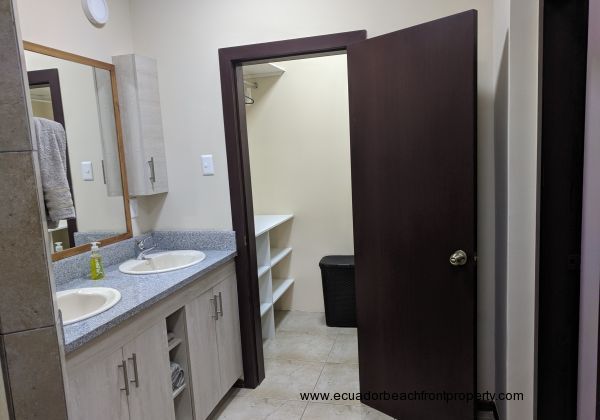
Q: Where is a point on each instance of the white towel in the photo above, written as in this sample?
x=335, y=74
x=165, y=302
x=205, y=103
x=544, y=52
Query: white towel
x=177, y=376
x=52, y=156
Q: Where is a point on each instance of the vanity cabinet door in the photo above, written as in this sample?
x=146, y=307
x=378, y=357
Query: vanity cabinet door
x=147, y=358
x=228, y=333
x=203, y=354
x=97, y=389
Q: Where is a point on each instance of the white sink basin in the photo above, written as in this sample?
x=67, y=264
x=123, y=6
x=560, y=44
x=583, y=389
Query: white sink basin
x=161, y=262
x=79, y=304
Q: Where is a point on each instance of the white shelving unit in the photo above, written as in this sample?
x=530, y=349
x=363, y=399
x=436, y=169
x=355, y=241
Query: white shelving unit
x=254, y=71
x=270, y=252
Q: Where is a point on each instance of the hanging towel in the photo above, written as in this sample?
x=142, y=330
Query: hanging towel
x=52, y=156
x=177, y=376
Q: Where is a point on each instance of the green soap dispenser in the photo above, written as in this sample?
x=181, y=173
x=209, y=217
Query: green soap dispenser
x=96, y=267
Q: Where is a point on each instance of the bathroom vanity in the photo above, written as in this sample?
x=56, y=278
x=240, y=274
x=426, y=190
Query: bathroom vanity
x=159, y=337
x=117, y=363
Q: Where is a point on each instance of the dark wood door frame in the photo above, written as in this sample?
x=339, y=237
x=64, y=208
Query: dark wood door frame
x=49, y=78
x=238, y=162
x=563, y=70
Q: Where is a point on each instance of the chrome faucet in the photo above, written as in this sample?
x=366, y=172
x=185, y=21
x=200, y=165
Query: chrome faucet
x=142, y=247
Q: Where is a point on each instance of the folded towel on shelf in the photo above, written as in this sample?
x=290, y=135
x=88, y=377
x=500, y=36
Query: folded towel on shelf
x=52, y=157
x=177, y=376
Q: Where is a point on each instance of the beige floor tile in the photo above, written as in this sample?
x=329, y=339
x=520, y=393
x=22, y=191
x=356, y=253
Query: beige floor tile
x=345, y=349
x=298, y=346
x=306, y=323
x=339, y=377
x=347, y=331
x=239, y=392
x=319, y=411
x=249, y=408
x=286, y=379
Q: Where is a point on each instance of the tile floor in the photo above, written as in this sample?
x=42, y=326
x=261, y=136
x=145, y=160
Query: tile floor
x=304, y=356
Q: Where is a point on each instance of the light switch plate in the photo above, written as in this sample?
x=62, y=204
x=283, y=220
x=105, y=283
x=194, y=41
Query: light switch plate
x=208, y=166
x=87, y=171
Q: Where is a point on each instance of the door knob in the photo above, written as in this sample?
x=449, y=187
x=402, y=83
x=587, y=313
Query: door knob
x=458, y=258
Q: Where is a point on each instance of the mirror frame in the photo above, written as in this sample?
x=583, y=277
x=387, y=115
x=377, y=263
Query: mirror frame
x=41, y=49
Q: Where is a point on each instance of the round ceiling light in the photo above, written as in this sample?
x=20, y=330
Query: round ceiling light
x=96, y=11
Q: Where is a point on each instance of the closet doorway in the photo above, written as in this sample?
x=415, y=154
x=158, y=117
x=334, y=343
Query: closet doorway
x=412, y=115
x=299, y=150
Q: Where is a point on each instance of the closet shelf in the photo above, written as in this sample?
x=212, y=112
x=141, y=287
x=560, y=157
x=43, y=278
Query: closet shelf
x=266, y=222
x=278, y=254
x=253, y=71
x=262, y=270
x=280, y=286
x=174, y=343
x=264, y=308
x=268, y=255
x=178, y=391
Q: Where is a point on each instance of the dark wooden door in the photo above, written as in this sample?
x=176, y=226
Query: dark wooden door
x=413, y=105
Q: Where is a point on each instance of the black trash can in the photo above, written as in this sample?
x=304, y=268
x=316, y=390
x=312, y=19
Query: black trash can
x=337, y=272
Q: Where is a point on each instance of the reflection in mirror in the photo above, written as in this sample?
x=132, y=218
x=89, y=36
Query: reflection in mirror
x=74, y=120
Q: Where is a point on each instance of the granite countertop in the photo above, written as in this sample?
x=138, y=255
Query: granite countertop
x=138, y=292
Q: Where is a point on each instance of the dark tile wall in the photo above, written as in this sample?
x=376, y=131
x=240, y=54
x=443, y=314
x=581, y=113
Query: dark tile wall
x=30, y=350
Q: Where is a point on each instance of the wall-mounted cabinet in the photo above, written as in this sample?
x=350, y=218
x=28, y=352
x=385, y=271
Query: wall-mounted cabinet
x=139, y=101
x=273, y=282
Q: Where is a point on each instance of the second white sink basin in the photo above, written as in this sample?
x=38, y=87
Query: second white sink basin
x=161, y=262
x=79, y=304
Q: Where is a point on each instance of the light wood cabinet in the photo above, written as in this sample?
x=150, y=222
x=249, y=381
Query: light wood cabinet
x=139, y=391
x=228, y=333
x=204, y=353
x=150, y=395
x=96, y=389
x=141, y=118
x=215, y=345
x=125, y=374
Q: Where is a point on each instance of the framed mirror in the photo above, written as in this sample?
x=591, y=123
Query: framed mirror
x=80, y=149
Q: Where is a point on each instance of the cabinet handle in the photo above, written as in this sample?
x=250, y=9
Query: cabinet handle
x=103, y=172
x=220, y=312
x=125, y=377
x=216, y=314
x=136, y=380
x=152, y=173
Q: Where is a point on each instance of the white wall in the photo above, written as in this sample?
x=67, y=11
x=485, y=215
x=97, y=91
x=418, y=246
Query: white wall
x=515, y=46
x=96, y=211
x=299, y=142
x=62, y=24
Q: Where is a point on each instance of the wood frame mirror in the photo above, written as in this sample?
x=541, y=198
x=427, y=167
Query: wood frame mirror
x=41, y=49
